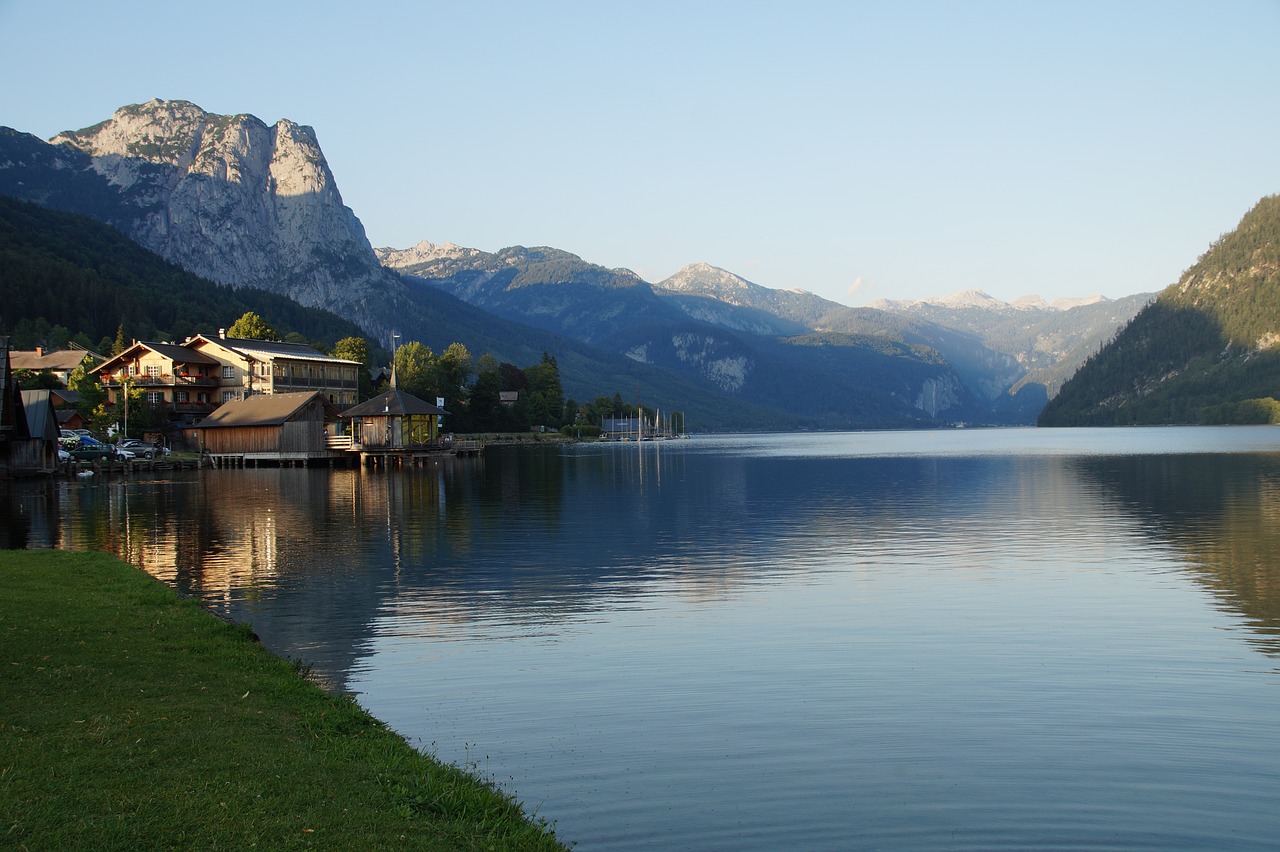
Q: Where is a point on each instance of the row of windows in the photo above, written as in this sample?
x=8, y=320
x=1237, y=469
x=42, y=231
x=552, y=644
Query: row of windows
x=229, y=371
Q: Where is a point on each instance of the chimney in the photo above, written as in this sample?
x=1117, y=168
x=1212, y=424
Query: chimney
x=222, y=334
x=39, y=351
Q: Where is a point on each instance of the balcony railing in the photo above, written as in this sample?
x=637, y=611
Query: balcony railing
x=164, y=380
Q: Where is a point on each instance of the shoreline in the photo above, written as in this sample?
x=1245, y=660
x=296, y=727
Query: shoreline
x=133, y=717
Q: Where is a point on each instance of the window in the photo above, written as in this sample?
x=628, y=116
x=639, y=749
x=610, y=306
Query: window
x=228, y=372
x=180, y=396
x=155, y=397
x=227, y=396
x=153, y=370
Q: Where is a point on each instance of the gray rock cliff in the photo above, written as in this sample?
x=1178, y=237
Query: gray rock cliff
x=240, y=203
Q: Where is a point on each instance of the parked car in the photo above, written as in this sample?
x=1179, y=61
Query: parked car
x=91, y=449
x=146, y=449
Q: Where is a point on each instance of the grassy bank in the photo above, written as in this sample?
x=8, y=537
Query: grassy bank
x=132, y=719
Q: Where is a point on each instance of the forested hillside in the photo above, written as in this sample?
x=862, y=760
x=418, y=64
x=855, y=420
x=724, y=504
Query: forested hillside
x=1206, y=351
x=66, y=271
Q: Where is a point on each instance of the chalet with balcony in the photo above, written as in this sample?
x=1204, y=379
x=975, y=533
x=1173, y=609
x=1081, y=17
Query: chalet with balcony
x=185, y=382
x=269, y=367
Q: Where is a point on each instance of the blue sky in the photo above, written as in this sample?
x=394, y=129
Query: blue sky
x=856, y=150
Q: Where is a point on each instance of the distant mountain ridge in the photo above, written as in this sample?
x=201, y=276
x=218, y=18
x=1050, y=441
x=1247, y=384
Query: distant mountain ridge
x=724, y=327
x=243, y=203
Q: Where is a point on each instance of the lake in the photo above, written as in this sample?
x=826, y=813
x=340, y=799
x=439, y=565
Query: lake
x=968, y=639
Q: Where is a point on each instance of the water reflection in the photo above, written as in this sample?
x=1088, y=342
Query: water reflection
x=313, y=557
x=1223, y=514
x=756, y=641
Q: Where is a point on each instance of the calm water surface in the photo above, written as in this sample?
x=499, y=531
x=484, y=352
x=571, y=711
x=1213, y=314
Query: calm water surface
x=973, y=639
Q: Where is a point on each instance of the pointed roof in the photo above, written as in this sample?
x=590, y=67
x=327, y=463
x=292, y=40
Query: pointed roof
x=172, y=351
x=393, y=402
x=264, y=410
x=41, y=422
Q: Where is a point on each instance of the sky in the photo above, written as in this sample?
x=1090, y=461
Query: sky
x=858, y=150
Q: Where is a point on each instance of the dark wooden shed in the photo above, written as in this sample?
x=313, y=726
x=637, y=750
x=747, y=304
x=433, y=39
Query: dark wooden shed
x=281, y=427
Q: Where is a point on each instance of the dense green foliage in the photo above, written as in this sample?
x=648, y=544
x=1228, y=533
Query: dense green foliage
x=130, y=719
x=1206, y=351
x=250, y=326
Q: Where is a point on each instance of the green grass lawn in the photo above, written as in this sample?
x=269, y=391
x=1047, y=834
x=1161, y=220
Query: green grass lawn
x=132, y=719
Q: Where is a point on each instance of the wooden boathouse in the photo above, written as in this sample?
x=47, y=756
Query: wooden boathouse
x=278, y=428
x=395, y=427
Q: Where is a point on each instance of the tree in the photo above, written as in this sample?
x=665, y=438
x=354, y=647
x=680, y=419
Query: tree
x=452, y=371
x=414, y=370
x=352, y=349
x=92, y=394
x=33, y=380
x=119, y=345
x=546, y=396
x=357, y=349
x=250, y=326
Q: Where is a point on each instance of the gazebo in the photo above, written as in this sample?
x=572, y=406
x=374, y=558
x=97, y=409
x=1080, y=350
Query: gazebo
x=394, y=422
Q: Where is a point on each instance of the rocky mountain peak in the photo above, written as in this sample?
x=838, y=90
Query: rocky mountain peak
x=423, y=252
x=705, y=279
x=234, y=200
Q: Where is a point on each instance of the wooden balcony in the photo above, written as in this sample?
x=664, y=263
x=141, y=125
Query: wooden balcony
x=164, y=380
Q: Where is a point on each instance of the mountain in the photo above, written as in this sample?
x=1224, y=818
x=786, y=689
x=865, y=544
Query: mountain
x=1046, y=342
x=826, y=379
x=1206, y=350
x=226, y=197
x=1013, y=357
x=250, y=205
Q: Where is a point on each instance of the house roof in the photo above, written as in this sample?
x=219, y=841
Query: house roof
x=264, y=410
x=393, y=402
x=64, y=360
x=64, y=397
x=173, y=351
x=267, y=350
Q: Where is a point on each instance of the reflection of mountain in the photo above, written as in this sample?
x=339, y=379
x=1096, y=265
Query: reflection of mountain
x=326, y=565
x=1222, y=511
